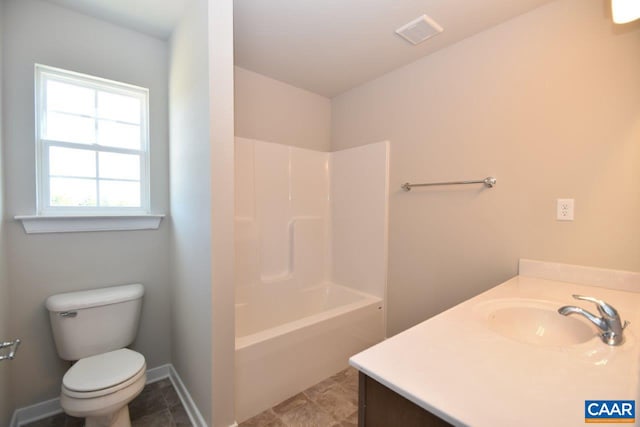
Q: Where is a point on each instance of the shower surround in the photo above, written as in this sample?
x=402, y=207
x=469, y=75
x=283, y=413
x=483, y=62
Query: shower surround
x=311, y=265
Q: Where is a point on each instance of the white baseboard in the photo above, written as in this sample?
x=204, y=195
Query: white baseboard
x=158, y=373
x=38, y=411
x=35, y=412
x=189, y=405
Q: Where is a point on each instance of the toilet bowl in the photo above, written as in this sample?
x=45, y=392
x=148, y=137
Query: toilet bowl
x=93, y=328
x=100, y=387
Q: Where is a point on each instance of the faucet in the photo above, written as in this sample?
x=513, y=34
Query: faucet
x=609, y=323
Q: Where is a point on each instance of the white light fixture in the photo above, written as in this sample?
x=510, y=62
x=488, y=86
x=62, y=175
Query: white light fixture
x=624, y=11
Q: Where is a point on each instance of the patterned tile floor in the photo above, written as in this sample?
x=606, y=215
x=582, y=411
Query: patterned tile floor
x=157, y=406
x=330, y=403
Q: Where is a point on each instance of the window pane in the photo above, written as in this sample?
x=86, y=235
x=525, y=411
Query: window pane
x=119, y=107
x=72, y=192
x=70, y=162
x=69, y=128
x=119, y=166
x=120, y=194
x=114, y=134
x=70, y=98
x=93, y=137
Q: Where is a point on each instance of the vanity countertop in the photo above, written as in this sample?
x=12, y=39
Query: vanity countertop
x=456, y=367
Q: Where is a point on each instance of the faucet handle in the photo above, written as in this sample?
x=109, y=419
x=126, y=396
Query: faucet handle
x=604, y=308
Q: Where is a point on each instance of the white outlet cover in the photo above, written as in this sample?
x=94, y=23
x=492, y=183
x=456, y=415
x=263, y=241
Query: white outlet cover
x=564, y=211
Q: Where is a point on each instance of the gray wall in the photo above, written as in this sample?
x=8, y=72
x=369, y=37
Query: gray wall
x=270, y=110
x=6, y=401
x=221, y=118
x=191, y=204
x=548, y=102
x=201, y=113
x=41, y=265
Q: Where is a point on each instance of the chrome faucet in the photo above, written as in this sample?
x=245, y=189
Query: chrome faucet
x=609, y=323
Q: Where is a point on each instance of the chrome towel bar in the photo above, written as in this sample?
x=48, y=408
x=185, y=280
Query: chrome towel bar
x=489, y=182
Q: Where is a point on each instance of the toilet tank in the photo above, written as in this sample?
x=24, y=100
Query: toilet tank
x=96, y=321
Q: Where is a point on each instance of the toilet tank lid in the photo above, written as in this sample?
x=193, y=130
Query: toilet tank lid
x=94, y=297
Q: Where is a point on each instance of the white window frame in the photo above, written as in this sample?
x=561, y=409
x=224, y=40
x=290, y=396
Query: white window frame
x=42, y=73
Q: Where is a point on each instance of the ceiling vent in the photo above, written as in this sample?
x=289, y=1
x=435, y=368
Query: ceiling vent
x=419, y=29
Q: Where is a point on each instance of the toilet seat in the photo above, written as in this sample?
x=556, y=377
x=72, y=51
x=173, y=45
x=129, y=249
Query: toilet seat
x=103, y=374
x=114, y=405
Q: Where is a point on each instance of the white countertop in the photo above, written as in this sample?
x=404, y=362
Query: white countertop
x=454, y=366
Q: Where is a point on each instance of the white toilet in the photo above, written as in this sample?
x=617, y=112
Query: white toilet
x=93, y=328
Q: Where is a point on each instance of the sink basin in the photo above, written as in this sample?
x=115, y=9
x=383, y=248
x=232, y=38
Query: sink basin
x=537, y=322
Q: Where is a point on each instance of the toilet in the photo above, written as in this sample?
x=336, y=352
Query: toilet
x=93, y=329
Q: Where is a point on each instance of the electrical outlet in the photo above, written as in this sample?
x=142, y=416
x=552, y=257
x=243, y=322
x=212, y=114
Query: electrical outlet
x=565, y=210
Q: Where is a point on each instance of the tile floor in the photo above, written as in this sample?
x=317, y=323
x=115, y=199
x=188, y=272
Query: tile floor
x=157, y=406
x=330, y=403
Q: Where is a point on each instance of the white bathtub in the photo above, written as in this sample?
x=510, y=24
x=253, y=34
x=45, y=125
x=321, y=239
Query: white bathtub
x=288, y=339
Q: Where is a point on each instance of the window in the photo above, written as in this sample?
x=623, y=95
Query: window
x=92, y=145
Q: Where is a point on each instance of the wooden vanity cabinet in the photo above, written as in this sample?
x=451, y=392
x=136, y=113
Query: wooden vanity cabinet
x=379, y=406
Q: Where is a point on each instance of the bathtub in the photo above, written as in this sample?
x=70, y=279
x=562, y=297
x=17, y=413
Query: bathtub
x=288, y=339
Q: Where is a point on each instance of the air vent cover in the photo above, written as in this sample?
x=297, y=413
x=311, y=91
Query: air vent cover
x=419, y=29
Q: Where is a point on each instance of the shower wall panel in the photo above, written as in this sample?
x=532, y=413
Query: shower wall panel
x=282, y=214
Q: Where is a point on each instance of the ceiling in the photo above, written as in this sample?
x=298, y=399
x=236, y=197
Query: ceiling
x=330, y=46
x=154, y=17
x=324, y=46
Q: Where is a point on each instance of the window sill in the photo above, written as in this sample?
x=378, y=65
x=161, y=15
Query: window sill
x=35, y=224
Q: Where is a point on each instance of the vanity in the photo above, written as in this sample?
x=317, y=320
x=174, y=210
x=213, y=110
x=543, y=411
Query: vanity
x=507, y=357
